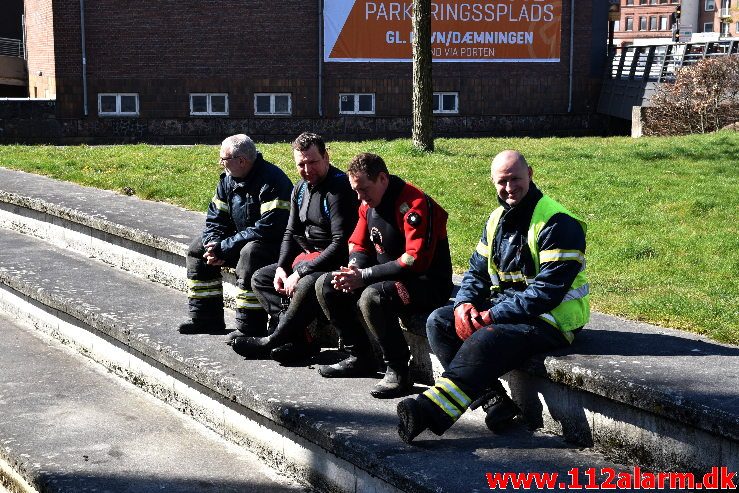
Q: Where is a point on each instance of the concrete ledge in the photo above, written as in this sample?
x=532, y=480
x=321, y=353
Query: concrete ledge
x=660, y=397
x=328, y=430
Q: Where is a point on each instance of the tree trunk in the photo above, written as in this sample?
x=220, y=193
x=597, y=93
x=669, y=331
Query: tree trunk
x=423, y=92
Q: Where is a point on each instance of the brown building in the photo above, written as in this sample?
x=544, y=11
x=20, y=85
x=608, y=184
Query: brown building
x=199, y=68
x=652, y=21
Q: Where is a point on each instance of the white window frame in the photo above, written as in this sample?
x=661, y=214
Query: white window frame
x=441, y=98
x=711, y=4
x=356, y=95
x=629, y=25
x=272, y=96
x=663, y=23
x=705, y=27
x=209, y=110
x=117, y=111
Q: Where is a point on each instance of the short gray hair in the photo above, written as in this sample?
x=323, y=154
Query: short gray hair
x=241, y=145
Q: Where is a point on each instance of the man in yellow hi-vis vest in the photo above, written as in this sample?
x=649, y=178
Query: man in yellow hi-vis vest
x=525, y=293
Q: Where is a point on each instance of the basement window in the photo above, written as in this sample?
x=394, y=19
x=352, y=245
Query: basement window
x=118, y=104
x=446, y=102
x=208, y=104
x=272, y=104
x=357, y=104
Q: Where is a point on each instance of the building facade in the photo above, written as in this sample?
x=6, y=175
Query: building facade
x=655, y=22
x=166, y=68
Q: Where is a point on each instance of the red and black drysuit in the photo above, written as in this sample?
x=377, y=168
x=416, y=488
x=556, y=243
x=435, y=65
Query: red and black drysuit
x=403, y=250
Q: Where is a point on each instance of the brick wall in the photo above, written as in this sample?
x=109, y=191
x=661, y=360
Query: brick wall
x=40, y=37
x=166, y=50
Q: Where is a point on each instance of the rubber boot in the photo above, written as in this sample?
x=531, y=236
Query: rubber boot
x=397, y=382
x=360, y=363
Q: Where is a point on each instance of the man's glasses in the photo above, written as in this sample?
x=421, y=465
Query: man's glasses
x=224, y=160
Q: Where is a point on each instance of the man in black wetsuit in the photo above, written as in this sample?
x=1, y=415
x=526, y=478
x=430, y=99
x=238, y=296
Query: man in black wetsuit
x=323, y=213
x=399, y=262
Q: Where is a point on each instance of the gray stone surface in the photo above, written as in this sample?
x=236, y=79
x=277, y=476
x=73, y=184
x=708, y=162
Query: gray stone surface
x=671, y=373
x=154, y=224
x=68, y=426
x=339, y=415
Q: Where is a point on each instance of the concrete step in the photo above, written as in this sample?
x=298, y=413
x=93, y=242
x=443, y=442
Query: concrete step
x=328, y=431
x=644, y=395
x=68, y=425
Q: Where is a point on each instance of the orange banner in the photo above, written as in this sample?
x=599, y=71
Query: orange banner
x=462, y=31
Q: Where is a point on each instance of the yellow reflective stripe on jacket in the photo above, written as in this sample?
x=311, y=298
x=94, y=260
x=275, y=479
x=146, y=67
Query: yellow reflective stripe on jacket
x=220, y=205
x=561, y=256
x=482, y=249
x=454, y=391
x=440, y=400
x=511, y=276
x=274, y=204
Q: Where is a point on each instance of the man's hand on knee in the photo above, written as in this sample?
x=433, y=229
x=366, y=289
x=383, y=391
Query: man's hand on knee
x=210, y=254
x=482, y=319
x=291, y=283
x=464, y=314
x=279, y=281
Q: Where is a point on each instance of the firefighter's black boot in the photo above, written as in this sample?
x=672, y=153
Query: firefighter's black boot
x=214, y=325
x=500, y=411
x=411, y=419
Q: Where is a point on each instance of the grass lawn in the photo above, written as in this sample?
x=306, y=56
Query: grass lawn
x=663, y=240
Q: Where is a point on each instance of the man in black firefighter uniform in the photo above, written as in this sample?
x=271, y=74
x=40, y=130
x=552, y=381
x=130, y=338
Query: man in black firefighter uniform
x=399, y=262
x=243, y=228
x=525, y=293
x=323, y=213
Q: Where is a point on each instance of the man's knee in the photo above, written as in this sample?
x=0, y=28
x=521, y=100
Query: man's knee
x=196, y=248
x=263, y=278
x=440, y=321
x=371, y=300
x=324, y=290
x=252, y=256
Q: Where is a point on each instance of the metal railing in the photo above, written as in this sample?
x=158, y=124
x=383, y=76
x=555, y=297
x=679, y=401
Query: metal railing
x=11, y=47
x=658, y=63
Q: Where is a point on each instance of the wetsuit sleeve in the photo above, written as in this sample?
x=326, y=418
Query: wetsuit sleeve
x=274, y=206
x=289, y=248
x=342, y=206
x=562, y=253
x=422, y=224
x=361, y=251
x=218, y=222
x=476, y=284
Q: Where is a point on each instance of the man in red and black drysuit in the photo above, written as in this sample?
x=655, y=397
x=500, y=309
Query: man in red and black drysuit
x=243, y=228
x=323, y=213
x=398, y=262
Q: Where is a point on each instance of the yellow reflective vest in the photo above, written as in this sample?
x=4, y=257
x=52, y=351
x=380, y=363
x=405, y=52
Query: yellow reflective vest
x=574, y=310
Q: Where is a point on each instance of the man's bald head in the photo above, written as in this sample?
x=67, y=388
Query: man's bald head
x=511, y=175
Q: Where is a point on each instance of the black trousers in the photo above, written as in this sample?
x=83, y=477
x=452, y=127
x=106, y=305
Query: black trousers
x=476, y=363
x=378, y=306
x=296, y=313
x=205, y=295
